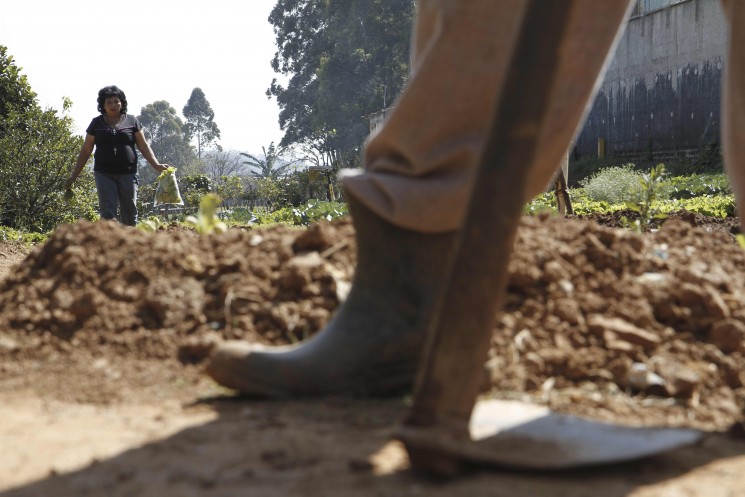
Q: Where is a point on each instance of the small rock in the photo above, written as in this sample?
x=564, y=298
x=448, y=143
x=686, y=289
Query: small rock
x=622, y=330
x=716, y=307
x=640, y=377
x=8, y=345
x=728, y=335
x=680, y=380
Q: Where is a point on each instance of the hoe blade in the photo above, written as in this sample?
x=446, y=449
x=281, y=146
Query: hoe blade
x=523, y=435
x=520, y=435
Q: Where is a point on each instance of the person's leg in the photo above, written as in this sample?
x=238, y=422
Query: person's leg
x=460, y=333
x=733, y=102
x=411, y=200
x=108, y=192
x=421, y=165
x=128, y=198
x=373, y=342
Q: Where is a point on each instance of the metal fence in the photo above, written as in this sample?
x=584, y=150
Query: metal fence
x=644, y=7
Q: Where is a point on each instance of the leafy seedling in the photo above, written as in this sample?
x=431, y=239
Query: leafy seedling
x=206, y=220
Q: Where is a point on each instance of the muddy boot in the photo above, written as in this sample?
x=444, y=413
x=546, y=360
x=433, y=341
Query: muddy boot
x=373, y=342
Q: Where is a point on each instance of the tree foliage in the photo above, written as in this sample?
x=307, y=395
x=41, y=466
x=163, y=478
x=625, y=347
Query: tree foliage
x=345, y=59
x=193, y=188
x=270, y=166
x=166, y=133
x=200, y=121
x=15, y=91
x=37, y=150
x=228, y=187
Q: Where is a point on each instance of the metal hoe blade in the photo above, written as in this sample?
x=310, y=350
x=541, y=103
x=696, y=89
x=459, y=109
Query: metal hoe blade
x=520, y=435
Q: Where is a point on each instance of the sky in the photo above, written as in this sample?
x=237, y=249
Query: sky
x=153, y=50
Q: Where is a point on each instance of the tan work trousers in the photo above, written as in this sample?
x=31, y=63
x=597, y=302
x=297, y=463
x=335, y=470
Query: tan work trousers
x=420, y=167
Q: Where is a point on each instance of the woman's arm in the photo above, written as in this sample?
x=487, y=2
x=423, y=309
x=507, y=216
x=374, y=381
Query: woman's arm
x=147, y=152
x=85, y=153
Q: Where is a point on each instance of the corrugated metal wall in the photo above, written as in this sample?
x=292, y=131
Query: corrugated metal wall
x=661, y=95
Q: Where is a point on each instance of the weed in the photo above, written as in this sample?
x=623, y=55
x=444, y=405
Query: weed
x=650, y=185
x=150, y=225
x=614, y=185
x=206, y=221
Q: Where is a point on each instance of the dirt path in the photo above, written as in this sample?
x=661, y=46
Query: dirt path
x=94, y=402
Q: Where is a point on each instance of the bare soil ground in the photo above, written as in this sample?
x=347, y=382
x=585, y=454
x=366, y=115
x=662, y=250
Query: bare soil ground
x=104, y=330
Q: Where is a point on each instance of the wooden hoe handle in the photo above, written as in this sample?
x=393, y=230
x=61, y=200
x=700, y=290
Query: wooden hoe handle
x=460, y=329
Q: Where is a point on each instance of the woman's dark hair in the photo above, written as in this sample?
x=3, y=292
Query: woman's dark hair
x=111, y=91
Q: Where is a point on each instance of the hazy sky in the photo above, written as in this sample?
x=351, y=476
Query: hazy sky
x=153, y=50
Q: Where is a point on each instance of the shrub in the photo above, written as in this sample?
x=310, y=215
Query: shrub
x=193, y=188
x=310, y=212
x=621, y=184
x=37, y=151
x=697, y=185
x=315, y=210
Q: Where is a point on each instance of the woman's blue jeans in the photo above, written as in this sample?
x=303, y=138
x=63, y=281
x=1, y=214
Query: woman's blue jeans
x=117, y=190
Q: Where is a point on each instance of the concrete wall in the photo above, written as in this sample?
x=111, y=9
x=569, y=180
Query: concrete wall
x=661, y=95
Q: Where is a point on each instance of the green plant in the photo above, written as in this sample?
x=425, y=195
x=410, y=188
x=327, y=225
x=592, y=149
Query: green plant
x=709, y=158
x=709, y=205
x=228, y=187
x=581, y=170
x=614, y=185
x=697, y=185
x=270, y=166
x=36, y=150
x=239, y=215
x=545, y=202
x=25, y=237
x=193, y=189
x=206, y=220
x=650, y=187
x=150, y=225
x=315, y=210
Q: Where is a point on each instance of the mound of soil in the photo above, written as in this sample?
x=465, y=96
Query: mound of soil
x=600, y=322
x=104, y=330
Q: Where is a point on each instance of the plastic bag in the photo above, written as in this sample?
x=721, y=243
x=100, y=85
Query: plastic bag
x=167, y=191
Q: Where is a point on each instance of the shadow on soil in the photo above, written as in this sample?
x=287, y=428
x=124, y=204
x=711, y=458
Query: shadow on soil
x=332, y=449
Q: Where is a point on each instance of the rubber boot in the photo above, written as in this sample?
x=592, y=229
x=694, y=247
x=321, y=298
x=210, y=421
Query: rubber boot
x=373, y=343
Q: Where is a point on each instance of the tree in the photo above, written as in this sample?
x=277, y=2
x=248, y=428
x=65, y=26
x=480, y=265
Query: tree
x=345, y=60
x=200, y=122
x=218, y=163
x=228, y=187
x=37, y=151
x=166, y=133
x=15, y=92
x=269, y=166
x=193, y=188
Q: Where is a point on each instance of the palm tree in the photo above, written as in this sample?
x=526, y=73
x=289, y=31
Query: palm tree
x=269, y=166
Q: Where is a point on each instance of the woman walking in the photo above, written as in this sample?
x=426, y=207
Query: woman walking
x=114, y=134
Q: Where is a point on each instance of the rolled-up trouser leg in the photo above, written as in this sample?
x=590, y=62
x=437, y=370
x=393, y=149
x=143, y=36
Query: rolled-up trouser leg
x=419, y=168
x=733, y=103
